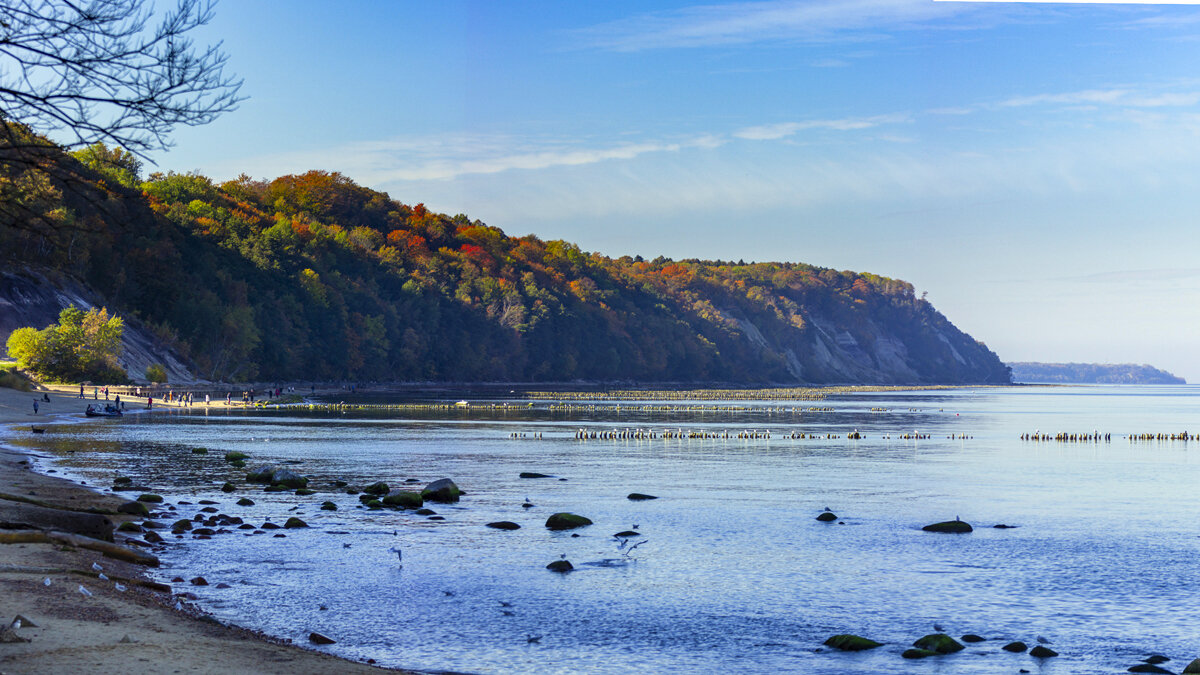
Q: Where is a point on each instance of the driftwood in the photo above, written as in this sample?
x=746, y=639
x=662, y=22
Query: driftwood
x=106, y=548
x=19, y=515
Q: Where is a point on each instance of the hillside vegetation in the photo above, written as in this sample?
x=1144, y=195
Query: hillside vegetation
x=314, y=276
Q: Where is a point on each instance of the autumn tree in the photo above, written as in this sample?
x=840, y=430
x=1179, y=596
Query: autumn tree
x=81, y=346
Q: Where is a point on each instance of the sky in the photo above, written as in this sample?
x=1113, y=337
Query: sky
x=1034, y=168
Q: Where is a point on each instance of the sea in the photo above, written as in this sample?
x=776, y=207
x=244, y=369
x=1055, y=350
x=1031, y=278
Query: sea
x=729, y=570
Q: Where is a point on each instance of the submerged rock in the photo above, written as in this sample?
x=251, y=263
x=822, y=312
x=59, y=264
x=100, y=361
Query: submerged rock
x=851, y=643
x=628, y=533
x=379, y=488
x=971, y=637
x=442, y=490
x=950, y=526
x=504, y=525
x=918, y=653
x=1015, y=647
x=566, y=521
x=328, y=506
x=534, y=474
x=1147, y=668
x=234, y=455
x=294, y=522
x=939, y=642
x=1042, y=652
x=426, y=512
x=304, y=492
x=560, y=566
x=228, y=487
x=827, y=517
x=639, y=497
x=245, y=501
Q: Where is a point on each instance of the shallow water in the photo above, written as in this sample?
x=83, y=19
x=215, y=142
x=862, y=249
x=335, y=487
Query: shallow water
x=734, y=572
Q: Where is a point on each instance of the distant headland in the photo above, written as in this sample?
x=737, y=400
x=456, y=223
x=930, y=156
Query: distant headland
x=1091, y=373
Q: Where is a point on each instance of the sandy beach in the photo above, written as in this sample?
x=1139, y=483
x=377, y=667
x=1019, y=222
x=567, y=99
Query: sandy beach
x=81, y=623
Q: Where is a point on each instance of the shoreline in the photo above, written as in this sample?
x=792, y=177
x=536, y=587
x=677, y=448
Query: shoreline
x=109, y=630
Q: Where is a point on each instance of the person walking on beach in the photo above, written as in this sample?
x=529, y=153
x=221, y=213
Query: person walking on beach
x=81, y=390
x=35, y=406
x=149, y=402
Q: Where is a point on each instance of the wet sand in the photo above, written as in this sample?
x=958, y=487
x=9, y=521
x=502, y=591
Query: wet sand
x=109, y=631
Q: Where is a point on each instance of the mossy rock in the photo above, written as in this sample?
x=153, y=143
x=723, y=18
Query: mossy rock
x=152, y=538
x=122, y=480
x=1192, y=668
x=277, y=488
x=918, y=653
x=1015, y=647
x=379, y=489
x=288, y=479
x=940, y=643
x=561, y=566
x=851, y=643
x=328, y=506
x=340, y=483
x=374, y=504
x=1040, y=652
x=827, y=517
x=150, y=498
x=442, y=490
x=238, y=464
x=234, y=455
x=566, y=521
x=129, y=526
x=261, y=473
x=304, y=492
x=950, y=527
x=134, y=509
x=351, y=491
x=504, y=525
x=404, y=499
x=639, y=497
x=245, y=501
x=183, y=524
x=971, y=637
x=228, y=487
x=199, y=451
x=293, y=523
x=426, y=512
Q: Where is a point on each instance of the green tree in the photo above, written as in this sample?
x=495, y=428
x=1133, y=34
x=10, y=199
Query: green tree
x=81, y=346
x=116, y=163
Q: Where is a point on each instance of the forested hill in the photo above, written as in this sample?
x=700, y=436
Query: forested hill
x=314, y=276
x=1092, y=373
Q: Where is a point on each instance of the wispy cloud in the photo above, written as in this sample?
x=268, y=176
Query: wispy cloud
x=773, y=21
x=770, y=132
x=1121, y=97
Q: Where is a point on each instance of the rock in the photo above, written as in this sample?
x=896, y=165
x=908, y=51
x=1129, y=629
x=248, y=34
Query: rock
x=1015, y=647
x=199, y=451
x=122, y=480
x=566, y=521
x=560, y=566
x=628, y=533
x=504, y=525
x=437, y=518
x=294, y=522
x=328, y=506
x=639, y=497
x=950, y=526
x=262, y=473
x=827, y=517
x=205, y=531
x=208, y=502
x=1147, y=668
x=318, y=639
x=152, y=537
x=234, y=455
x=181, y=524
x=939, y=642
x=151, y=498
x=442, y=490
x=304, y=492
x=1002, y=526
x=289, y=479
x=199, y=581
x=1042, y=652
x=210, y=509
x=340, y=483
x=227, y=487
x=8, y=635
x=134, y=508
x=1192, y=668
x=276, y=488
x=971, y=637
x=269, y=526
x=851, y=643
x=404, y=498
x=129, y=526
x=245, y=501
x=1155, y=659
x=918, y=653
x=378, y=489
x=426, y=512
x=17, y=514
x=22, y=622
x=534, y=474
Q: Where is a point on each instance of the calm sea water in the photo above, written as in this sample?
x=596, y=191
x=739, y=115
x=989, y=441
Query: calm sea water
x=733, y=572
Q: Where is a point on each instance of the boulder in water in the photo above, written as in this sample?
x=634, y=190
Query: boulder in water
x=1192, y=668
x=918, y=653
x=560, y=566
x=228, y=487
x=378, y=489
x=1015, y=647
x=566, y=521
x=955, y=526
x=851, y=643
x=134, y=509
x=827, y=517
x=1042, y=652
x=404, y=498
x=1148, y=668
x=442, y=490
x=939, y=642
x=294, y=522
x=534, y=474
x=318, y=639
x=971, y=637
x=639, y=497
x=504, y=525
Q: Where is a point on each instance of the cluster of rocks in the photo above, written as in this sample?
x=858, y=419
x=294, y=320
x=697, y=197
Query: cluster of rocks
x=934, y=644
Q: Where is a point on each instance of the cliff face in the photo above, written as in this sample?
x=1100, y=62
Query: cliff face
x=34, y=298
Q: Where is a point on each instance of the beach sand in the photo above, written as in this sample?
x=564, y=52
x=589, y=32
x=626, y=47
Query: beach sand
x=138, y=630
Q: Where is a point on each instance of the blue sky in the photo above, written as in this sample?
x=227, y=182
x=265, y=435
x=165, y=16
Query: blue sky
x=1034, y=167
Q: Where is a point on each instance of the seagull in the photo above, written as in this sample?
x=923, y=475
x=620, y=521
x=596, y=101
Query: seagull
x=635, y=526
x=120, y=587
x=85, y=591
x=97, y=567
x=398, y=552
x=449, y=594
x=1043, y=640
x=530, y=639
x=345, y=545
x=179, y=605
x=102, y=576
x=15, y=624
x=505, y=604
x=507, y=612
x=46, y=581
